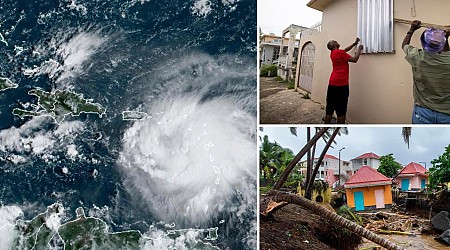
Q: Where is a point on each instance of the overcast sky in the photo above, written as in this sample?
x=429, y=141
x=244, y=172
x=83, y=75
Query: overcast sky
x=426, y=144
x=276, y=15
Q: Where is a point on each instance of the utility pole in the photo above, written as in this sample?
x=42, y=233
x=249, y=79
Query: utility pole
x=339, y=180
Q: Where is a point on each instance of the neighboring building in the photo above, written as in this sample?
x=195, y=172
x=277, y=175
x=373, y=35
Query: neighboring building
x=367, y=159
x=412, y=177
x=381, y=82
x=368, y=189
x=329, y=170
x=269, y=48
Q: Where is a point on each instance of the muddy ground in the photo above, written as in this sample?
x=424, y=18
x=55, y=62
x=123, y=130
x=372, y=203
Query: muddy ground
x=279, y=105
x=293, y=227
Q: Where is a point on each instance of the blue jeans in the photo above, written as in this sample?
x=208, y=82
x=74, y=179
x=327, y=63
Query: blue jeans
x=423, y=115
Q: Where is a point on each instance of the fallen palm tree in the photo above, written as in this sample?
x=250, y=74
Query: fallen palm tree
x=280, y=197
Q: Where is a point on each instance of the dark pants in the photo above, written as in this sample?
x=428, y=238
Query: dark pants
x=337, y=100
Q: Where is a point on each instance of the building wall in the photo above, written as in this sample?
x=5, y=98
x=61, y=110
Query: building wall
x=380, y=84
x=374, y=163
x=369, y=196
x=414, y=181
x=326, y=194
x=331, y=176
x=358, y=163
x=267, y=51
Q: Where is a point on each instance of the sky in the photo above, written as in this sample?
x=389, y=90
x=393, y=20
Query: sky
x=276, y=15
x=426, y=144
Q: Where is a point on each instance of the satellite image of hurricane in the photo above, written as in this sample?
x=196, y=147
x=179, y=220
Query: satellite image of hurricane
x=128, y=124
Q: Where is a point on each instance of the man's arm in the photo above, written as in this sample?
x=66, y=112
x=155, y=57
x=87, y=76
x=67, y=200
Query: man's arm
x=355, y=58
x=414, y=26
x=447, y=34
x=352, y=45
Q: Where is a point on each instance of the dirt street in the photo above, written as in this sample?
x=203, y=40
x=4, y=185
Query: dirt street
x=279, y=105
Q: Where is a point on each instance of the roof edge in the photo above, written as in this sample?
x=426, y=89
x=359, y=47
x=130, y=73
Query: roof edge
x=318, y=4
x=357, y=185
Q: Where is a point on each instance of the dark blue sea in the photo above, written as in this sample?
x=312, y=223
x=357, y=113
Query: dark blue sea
x=190, y=66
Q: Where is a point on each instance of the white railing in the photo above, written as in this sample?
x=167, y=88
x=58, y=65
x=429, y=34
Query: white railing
x=315, y=29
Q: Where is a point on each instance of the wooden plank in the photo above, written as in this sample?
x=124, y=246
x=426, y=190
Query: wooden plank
x=422, y=24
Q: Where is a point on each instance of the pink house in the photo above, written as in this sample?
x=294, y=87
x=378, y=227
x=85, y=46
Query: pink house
x=412, y=177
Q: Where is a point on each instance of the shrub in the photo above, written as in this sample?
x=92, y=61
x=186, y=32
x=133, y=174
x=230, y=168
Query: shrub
x=266, y=68
x=290, y=84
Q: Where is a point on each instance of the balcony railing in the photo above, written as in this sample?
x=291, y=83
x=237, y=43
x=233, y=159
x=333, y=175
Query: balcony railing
x=315, y=29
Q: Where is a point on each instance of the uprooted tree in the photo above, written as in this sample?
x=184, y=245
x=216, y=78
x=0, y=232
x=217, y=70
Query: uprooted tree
x=276, y=199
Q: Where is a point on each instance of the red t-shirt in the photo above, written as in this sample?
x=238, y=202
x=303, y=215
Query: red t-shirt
x=339, y=76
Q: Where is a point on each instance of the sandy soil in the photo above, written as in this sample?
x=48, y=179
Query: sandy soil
x=279, y=105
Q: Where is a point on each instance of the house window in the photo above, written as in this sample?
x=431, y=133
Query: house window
x=365, y=162
x=376, y=25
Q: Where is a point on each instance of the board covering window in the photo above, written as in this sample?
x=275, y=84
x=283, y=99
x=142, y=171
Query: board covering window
x=376, y=25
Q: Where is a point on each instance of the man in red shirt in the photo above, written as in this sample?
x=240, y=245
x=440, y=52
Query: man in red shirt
x=338, y=90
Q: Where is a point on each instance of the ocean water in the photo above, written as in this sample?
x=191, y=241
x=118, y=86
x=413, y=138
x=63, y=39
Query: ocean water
x=190, y=66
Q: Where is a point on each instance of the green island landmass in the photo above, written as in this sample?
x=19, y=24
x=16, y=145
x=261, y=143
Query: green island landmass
x=130, y=115
x=90, y=233
x=59, y=104
x=5, y=84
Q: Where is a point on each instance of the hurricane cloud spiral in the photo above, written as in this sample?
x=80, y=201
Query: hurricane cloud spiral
x=196, y=154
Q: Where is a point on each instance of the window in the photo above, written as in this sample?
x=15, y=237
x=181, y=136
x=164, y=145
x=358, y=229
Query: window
x=376, y=25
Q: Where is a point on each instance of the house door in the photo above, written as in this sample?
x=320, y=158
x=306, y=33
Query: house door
x=306, y=67
x=359, y=201
x=379, y=198
x=405, y=184
x=422, y=183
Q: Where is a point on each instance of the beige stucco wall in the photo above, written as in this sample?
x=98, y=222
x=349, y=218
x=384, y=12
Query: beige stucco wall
x=380, y=84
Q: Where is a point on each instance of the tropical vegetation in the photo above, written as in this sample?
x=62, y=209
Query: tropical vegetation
x=440, y=172
x=388, y=166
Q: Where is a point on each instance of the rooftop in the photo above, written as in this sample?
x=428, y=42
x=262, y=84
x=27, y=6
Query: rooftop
x=367, y=176
x=369, y=155
x=413, y=168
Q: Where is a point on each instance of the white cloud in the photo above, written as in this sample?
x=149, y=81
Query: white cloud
x=201, y=8
x=8, y=232
x=17, y=142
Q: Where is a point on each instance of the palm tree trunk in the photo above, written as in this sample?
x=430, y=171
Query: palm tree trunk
x=313, y=155
x=278, y=196
x=308, y=192
x=308, y=157
x=288, y=170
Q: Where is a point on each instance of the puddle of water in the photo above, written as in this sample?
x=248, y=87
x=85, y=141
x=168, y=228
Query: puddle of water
x=418, y=242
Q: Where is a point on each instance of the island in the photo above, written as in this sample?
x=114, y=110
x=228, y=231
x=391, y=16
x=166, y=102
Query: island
x=5, y=84
x=59, y=104
x=133, y=115
x=93, y=233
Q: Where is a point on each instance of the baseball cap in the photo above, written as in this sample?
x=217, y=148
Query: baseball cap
x=433, y=40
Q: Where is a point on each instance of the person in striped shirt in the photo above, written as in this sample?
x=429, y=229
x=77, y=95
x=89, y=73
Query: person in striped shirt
x=431, y=75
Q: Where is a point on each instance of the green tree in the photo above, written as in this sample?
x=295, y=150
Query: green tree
x=388, y=166
x=273, y=161
x=269, y=153
x=440, y=172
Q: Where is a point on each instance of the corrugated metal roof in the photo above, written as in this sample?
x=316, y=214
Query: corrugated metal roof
x=329, y=157
x=369, y=155
x=367, y=176
x=413, y=168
